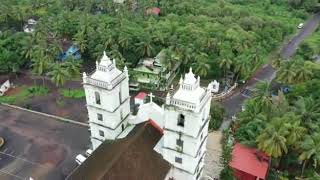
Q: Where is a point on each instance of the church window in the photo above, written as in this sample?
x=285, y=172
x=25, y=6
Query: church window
x=179, y=143
x=178, y=160
x=101, y=133
x=181, y=120
x=97, y=96
x=100, y=117
x=201, y=136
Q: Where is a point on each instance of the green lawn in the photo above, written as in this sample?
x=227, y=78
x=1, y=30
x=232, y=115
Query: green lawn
x=24, y=94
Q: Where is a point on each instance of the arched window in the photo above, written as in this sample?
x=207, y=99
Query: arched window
x=181, y=120
x=97, y=97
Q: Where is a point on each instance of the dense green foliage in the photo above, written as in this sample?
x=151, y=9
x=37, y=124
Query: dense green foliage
x=206, y=34
x=217, y=113
x=73, y=93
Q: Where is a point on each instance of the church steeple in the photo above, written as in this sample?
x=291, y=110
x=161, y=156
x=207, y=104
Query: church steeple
x=108, y=100
x=186, y=127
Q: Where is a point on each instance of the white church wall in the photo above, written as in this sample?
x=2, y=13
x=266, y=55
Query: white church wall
x=191, y=124
x=107, y=133
x=108, y=119
x=95, y=143
x=188, y=163
x=124, y=89
x=190, y=145
x=108, y=99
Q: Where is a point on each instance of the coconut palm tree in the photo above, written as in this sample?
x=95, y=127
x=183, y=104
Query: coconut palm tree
x=226, y=64
x=263, y=97
x=308, y=109
x=58, y=74
x=302, y=72
x=241, y=67
x=296, y=131
x=310, y=150
x=72, y=67
x=273, y=139
x=286, y=73
x=201, y=65
x=145, y=46
x=80, y=41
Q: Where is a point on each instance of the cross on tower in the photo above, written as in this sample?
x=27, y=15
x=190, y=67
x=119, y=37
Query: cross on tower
x=151, y=96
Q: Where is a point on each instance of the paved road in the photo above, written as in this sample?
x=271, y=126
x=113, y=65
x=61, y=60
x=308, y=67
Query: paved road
x=289, y=49
x=266, y=73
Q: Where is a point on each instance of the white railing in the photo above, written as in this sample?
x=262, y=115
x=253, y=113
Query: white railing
x=105, y=68
x=106, y=85
x=224, y=94
x=191, y=106
x=183, y=104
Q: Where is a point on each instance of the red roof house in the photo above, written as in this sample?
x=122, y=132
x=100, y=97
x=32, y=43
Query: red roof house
x=139, y=98
x=249, y=163
x=154, y=10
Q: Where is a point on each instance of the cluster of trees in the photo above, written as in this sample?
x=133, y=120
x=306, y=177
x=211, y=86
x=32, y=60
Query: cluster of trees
x=206, y=35
x=286, y=127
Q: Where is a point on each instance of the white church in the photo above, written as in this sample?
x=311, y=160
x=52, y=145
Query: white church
x=159, y=142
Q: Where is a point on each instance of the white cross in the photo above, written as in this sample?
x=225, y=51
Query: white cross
x=151, y=96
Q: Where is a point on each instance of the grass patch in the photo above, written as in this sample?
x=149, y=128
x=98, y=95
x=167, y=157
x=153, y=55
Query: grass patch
x=24, y=94
x=73, y=93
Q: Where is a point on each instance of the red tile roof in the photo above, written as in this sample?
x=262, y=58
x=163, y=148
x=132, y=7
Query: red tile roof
x=154, y=10
x=141, y=95
x=249, y=160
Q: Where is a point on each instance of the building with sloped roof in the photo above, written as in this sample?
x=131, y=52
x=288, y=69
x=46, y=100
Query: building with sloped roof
x=159, y=142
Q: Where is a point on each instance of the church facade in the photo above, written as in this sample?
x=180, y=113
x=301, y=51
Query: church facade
x=183, y=119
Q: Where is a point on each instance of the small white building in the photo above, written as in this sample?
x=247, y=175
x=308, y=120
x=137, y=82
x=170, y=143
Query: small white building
x=4, y=86
x=29, y=27
x=108, y=100
x=215, y=86
x=139, y=99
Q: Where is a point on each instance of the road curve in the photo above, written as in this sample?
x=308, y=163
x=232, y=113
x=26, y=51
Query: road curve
x=233, y=103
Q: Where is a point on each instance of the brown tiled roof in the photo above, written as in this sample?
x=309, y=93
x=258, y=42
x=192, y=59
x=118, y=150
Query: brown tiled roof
x=131, y=158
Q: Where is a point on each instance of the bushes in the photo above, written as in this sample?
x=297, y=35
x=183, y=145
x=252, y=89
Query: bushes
x=73, y=93
x=217, y=114
x=38, y=90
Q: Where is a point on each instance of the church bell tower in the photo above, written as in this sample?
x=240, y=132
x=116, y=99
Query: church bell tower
x=108, y=100
x=186, y=128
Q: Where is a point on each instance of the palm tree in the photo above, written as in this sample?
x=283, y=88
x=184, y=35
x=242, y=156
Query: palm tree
x=286, y=74
x=80, y=41
x=302, y=72
x=226, y=64
x=145, y=47
x=59, y=74
x=296, y=131
x=40, y=63
x=27, y=47
x=276, y=62
x=201, y=65
x=273, y=139
x=308, y=109
x=263, y=97
x=310, y=150
x=72, y=67
x=241, y=67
